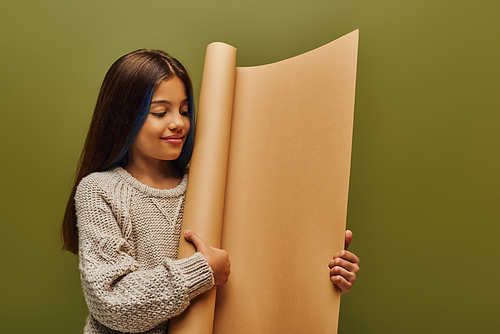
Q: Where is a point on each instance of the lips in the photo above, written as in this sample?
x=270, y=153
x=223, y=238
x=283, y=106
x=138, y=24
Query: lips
x=174, y=139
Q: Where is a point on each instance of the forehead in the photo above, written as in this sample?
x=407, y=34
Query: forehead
x=170, y=90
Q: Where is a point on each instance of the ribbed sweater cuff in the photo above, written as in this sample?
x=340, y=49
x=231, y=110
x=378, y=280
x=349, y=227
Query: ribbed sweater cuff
x=197, y=274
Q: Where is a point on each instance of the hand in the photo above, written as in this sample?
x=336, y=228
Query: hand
x=217, y=259
x=344, y=267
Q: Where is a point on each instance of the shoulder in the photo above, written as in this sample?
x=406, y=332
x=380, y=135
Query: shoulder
x=98, y=184
x=100, y=192
x=98, y=180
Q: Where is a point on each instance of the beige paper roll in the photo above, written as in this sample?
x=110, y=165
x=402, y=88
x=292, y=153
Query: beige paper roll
x=286, y=192
x=285, y=198
x=204, y=205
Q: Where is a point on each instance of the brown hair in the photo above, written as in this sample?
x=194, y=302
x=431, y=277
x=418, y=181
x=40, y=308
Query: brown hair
x=120, y=111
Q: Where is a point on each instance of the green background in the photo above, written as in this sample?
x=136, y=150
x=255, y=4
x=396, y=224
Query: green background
x=424, y=195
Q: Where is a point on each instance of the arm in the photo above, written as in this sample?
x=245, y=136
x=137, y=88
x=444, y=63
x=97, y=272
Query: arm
x=119, y=295
x=344, y=267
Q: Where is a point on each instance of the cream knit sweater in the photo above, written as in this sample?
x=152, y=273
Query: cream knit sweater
x=129, y=236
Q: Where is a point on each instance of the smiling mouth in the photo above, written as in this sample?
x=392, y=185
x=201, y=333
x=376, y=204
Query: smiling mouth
x=174, y=139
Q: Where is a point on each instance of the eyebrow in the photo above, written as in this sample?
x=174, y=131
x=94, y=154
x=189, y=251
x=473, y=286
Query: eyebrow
x=168, y=102
x=161, y=101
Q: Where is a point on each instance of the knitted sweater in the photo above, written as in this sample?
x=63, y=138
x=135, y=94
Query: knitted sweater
x=128, y=242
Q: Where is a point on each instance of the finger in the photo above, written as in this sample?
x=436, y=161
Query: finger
x=348, y=238
x=342, y=283
x=346, y=255
x=349, y=266
x=339, y=271
x=198, y=242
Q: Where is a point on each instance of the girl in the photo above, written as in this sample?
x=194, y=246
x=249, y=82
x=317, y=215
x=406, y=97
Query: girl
x=124, y=215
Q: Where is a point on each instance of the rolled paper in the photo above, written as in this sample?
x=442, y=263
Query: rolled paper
x=203, y=209
x=286, y=182
x=286, y=192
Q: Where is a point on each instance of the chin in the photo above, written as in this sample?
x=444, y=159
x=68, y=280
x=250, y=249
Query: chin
x=172, y=157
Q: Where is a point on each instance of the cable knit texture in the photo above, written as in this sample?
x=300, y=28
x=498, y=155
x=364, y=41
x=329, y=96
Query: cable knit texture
x=129, y=237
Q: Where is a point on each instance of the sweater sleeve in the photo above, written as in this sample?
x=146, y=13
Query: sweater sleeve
x=119, y=295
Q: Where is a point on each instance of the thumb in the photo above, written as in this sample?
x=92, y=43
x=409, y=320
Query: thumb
x=348, y=238
x=198, y=242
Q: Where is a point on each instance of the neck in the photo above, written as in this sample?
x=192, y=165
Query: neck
x=158, y=174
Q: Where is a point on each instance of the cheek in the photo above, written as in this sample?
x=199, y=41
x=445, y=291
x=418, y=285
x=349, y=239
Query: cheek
x=154, y=129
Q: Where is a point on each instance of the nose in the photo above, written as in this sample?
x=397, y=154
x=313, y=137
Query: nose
x=175, y=122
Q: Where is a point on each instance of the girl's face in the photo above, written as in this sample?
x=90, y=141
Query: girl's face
x=166, y=129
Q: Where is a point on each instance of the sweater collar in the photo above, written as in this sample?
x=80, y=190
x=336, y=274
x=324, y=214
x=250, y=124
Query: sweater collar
x=132, y=181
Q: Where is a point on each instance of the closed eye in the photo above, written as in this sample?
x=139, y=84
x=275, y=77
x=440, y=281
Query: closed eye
x=158, y=114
